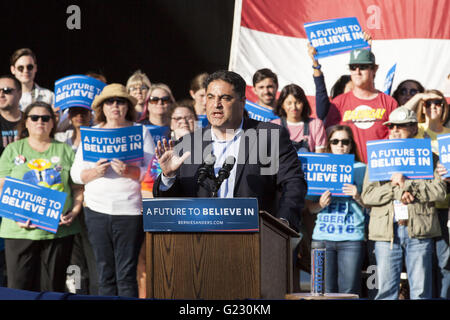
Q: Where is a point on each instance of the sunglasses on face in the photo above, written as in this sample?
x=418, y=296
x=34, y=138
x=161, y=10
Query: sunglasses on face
x=164, y=100
x=35, y=118
x=345, y=142
x=7, y=90
x=28, y=66
x=437, y=103
x=75, y=112
x=405, y=91
x=399, y=125
x=119, y=101
x=353, y=67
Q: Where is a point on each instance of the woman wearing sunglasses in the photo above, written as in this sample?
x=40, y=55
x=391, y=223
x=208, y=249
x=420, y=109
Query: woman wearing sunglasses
x=406, y=90
x=340, y=221
x=37, y=259
x=158, y=105
x=113, y=200
x=432, y=111
x=78, y=117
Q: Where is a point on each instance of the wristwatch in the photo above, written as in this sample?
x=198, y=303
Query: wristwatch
x=318, y=67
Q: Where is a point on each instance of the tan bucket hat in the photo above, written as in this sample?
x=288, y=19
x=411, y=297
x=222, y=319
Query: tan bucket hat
x=110, y=91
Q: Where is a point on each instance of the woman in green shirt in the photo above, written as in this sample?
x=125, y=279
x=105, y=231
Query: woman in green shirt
x=37, y=259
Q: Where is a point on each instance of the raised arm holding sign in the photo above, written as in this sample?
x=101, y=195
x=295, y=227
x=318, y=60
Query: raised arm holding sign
x=335, y=36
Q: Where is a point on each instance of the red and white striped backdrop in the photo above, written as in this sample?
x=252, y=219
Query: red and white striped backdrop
x=415, y=34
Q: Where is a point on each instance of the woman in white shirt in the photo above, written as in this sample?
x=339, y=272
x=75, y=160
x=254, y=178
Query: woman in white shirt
x=113, y=200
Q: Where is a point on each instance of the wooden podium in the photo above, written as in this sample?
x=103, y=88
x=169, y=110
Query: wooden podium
x=221, y=265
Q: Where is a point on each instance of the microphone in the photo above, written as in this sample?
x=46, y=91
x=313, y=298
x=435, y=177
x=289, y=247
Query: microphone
x=206, y=169
x=224, y=172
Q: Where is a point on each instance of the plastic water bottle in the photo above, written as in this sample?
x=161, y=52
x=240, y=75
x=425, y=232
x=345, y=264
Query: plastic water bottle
x=318, y=268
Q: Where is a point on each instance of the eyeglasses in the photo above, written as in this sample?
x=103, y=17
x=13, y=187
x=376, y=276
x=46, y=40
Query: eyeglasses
x=437, y=103
x=28, y=66
x=187, y=118
x=139, y=88
x=35, y=117
x=7, y=90
x=164, y=100
x=119, y=101
x=405, y=91
x=353, y=67
x=345, y=142
x=399, y=125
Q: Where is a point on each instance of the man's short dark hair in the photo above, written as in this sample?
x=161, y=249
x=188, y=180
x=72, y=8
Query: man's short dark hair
x=17, y=83
x=262, y=74
x=231, y=77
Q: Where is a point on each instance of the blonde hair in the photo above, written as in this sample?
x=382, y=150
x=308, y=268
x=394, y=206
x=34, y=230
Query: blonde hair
x=138, y=77
x=421, y=107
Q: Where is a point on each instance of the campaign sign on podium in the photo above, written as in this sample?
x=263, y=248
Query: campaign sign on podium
x=327, y=171
x=125, y=143
x=201, y=215
x=411, y=157
x=22, y=201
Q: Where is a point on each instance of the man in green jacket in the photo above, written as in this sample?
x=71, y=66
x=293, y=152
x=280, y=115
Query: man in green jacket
x=403, y=220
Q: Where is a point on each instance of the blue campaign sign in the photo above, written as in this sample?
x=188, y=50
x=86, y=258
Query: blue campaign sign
x=444, y=151
x=201, y=215
x=335, y=36
x=327, y=171
x=158, y=132
x=125, y=144
x=22, y=201
x=260, y=113
x=77, y=90
x=411, y=157
x=389, y=79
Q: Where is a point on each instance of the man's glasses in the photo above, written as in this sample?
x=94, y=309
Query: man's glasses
x=345, y=142
x=28, y=66
x=353, y=67
x=119, y=101
x=399, y=125
x=405, y=91
x=187, y=118
x=437, y=103
x=7, y=90
x=35, y=117
x=139, y=88
x=164, y=100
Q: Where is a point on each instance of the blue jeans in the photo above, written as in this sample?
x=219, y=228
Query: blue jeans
x=116, y=241
x=343, y=265
x=441, y=258
x=418, y=257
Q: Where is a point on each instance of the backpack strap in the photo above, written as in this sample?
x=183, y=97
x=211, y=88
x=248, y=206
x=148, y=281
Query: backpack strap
x=306, y=127
x=284, y=122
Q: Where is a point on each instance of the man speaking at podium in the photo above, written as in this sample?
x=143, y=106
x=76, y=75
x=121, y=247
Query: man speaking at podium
x=234, y=156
